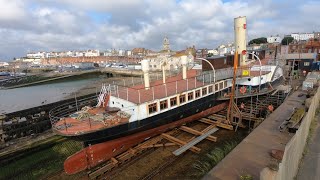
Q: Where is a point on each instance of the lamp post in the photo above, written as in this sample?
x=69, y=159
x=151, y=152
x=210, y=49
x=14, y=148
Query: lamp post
x=214, y=71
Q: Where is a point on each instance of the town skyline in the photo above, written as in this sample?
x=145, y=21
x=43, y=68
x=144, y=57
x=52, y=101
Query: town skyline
x=28, y=26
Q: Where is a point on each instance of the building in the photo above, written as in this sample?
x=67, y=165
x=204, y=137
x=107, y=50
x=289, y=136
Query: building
x=213, y=52
x=169, y=59
x=302, y=36
x=302, y=61
x=274, y=39
x=226, y=49
x=317, y=35
x=139, y=52
x=166, y=44
x=36, y=55
x=220, y=62
x=4, y=64
x=92, y=53
x=202, y=53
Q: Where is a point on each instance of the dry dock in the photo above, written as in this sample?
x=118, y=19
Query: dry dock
x=252, y=155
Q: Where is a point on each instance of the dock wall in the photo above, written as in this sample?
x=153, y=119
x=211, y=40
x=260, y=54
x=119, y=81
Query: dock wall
x=288, y=168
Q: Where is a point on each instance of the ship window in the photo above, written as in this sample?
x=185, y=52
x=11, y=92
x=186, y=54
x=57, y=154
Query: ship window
x=173, y=101
x=190, y=96
x=182, y=98
x=163, y=104
x=221, y=85
x=216, y=87
x=225, y=84
x=204, y=91
x=152, y=108
x=210, y=89
x=197, y=93
x=306, y=63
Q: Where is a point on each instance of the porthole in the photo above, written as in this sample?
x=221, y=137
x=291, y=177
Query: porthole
x=249, y=79
x=197, y=110
x=210, y=105
x=122, y=105
x=112, y=102
x=181, y=116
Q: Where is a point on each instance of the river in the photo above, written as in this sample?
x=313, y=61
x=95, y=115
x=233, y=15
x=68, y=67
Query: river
x=27, y=97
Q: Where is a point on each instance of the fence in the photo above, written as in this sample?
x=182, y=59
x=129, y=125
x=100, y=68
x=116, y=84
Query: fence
x=138, y=94
x=293, y=151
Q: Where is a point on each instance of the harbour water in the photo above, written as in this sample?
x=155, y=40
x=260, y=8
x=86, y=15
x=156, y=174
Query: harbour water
x=27, y=97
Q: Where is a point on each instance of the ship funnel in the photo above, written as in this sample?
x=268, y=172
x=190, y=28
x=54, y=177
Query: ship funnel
x=240, y=29
x=184, y=62
x=145, y=68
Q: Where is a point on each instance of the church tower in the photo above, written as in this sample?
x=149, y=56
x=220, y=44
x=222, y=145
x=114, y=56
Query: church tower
x=166, y=44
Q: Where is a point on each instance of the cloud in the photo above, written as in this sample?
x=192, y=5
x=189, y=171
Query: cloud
x=47, y=25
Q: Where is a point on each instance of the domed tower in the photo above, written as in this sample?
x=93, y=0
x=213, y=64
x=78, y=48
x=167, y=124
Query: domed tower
x=166, y=44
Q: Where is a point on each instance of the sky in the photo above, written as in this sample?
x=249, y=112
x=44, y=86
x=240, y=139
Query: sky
x=61, y=25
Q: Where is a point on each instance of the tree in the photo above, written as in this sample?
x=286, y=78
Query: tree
x=210, y=54
x=260, y=40
x=287, y=40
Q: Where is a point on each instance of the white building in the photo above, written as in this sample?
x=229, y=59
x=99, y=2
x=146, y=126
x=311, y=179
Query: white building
x=274, y=39
x=128, y=53
x=213, y=52
x=4, y=64
x=121, y=52
x=36, y=55
x=226, y=49
x=169, y=62
x=302, y=36
x=222, y=50
x=92, y=53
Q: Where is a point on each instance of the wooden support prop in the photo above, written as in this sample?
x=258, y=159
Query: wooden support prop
x=100, y=171
x=209, y=128
x=158, y=145
x=132, y=151
x=219, y=124
x=217, y=117
x=198, y=133
x=114, y=161
x=180, y=142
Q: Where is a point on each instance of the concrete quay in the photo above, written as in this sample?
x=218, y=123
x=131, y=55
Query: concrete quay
x=252, y=155
x=109, y=71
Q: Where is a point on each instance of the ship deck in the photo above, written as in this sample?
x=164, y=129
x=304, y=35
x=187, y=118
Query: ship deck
x=92, y=120
x=174, y=85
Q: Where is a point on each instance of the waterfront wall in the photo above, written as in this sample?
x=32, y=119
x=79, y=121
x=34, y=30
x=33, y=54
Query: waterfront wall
x=288, y=168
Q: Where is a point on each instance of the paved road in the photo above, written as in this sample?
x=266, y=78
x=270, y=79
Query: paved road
x=310, y=165
x=253, y=153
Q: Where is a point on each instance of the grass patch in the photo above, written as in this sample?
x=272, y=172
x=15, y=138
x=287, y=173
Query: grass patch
x=36, y=165
x=213, y=158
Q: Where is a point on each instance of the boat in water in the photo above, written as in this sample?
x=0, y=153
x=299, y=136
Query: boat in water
x=128, y=115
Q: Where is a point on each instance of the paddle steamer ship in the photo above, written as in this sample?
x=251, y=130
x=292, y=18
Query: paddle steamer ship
x=127, y=116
